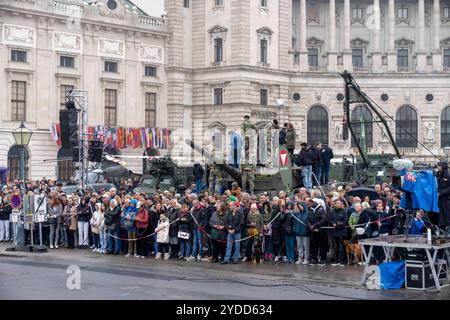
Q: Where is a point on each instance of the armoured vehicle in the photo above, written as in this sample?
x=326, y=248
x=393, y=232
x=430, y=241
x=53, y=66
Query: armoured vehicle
x=267, y=180
x=163, y=174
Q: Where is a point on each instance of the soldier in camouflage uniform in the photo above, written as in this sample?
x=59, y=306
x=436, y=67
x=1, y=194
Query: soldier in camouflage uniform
x=215, y=174
x=248, y=167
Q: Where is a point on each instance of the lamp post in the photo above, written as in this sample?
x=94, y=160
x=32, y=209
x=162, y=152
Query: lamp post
x=22, y=137
x=447, y=151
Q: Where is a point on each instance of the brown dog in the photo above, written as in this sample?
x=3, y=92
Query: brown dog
x=353, y=249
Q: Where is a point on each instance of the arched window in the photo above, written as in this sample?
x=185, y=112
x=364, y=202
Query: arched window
x=317, y=124
x=406, y=127
x=14, y=162
x=362, y=114
x=65, y=164
x=445, y=127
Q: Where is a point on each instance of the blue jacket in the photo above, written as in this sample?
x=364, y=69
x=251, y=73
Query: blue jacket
x=416, y=227
x=423, y=188
x=300, y=230
x=132, y=213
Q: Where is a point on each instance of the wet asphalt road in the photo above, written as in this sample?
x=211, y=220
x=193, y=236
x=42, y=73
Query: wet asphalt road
x=43, y=276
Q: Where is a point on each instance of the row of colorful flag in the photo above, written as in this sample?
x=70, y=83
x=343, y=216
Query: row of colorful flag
x=121, y=138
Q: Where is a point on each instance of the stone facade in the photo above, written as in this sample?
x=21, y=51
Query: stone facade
x=334, y=27
x=46, y=30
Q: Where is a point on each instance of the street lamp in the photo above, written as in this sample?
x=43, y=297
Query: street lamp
x=22, y=137
x=447, y=151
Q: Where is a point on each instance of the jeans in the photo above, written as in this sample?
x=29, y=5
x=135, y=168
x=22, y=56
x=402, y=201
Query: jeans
x=4, y=230
x=83, y=230
x=163, y=248
x=319, y=246
x=185, y=250
x=233, y=239
x=198, y=186
x=103, y=239
x=303, y=247
x=268, y=244
x=325, y=173
x=306, y=172
x=340, y=256
x=96, y=240
x=131, y=243
x=54, y=233
x=290, y=247
x=63, y=235
x=114, y=243
x=318, y=175
x=155, y=243
x=198, y=243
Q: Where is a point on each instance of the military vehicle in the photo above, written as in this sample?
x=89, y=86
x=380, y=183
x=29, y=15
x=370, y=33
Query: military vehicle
x=163, y=174
x=268, y=180
x=366, y=169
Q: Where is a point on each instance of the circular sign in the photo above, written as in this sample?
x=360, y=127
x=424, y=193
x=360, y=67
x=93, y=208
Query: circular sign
x=16, y=201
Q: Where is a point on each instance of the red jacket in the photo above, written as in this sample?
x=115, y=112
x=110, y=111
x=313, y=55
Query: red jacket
x=142, y=218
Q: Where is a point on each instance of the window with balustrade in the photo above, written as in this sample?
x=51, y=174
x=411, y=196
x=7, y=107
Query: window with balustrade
x=218, y=50
x=18, y=100
x=313, y=57
x=406, y=127
x=110, y=107
x=263, y=97
x=446, y=12
x=150, y=110
x=358, y=57
x=403, y=58
x=446, y=59
x=263, y=49
x=402, y=13
x=445, y=127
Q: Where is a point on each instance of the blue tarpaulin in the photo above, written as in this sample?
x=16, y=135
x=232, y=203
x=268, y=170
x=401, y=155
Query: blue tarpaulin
x=392, y=275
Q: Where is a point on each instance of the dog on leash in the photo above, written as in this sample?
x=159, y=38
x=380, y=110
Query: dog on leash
x=257, y=256
x=353, y=249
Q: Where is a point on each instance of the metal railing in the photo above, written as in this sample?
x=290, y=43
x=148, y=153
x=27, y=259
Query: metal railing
x=360, y=69
x=317, y=68
x=408, y=69
x=67, y=7
x=446, y=68
x=408, y=151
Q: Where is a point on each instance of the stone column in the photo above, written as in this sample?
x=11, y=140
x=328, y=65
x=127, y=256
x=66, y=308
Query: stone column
x=347, y=51
x=376, y=54
x=303, y=49
x=391, y=54
x=332, y=53
x=421, y=52
x=437, y=54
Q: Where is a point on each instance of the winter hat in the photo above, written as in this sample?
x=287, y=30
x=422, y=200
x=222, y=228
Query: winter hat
x=289, y=205
x=163, y=217
x=320, y=202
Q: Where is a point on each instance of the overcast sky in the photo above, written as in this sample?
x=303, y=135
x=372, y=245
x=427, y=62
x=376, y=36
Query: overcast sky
x=152, y=7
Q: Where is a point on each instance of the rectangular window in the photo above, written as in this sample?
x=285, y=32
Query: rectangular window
x=63, y=92
x=218, y=2
x=110, y=66
x=402, y=58
x=312, y=13
x=186, y=3
x=357, y=58
x=313, y=57
x=263, y=97
x=18, y=56
x=218, y=96
x=66, y=62
x=402, y=13
x=446, y=13
x=264, y=50
x=150, y=71
x=218, y=50
x=110, y=107
x=150, y=110
x=264, y=3
x=357, y=13
x=446, y=57
x=18, y=100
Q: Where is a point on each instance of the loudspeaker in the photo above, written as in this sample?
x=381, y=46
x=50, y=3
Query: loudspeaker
x=95, y=151
x=68, y=120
